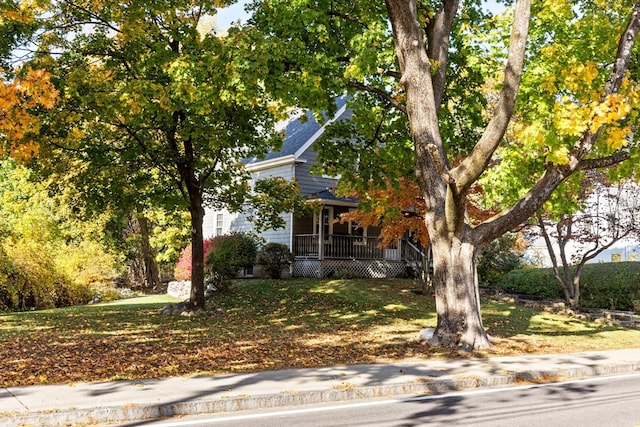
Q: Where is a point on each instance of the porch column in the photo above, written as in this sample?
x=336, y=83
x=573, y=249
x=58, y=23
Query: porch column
x=320, y=235
x=320, y=244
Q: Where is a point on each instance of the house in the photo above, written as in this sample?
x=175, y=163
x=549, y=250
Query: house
x=323, y=246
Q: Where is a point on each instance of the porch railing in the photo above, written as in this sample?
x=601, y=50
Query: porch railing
x=338, y=247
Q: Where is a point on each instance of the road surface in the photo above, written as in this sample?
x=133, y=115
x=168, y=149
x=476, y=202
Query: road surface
x=593, y=402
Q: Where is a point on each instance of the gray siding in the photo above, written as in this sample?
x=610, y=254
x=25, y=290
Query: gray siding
x=284, y=171
x=311, y=184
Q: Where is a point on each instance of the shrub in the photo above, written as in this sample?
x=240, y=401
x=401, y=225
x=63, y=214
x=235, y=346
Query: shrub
x=498, y=257
x=530, y=281
x=228, y=254
x=29, y=279
x=603, y=285
x=73, y=294
x=182, y=270
x=273, y=258
x=8, y=279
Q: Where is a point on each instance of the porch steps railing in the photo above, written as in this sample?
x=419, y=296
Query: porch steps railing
x=417, y=260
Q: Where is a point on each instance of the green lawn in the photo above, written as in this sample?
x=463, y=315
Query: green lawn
x=263, y=324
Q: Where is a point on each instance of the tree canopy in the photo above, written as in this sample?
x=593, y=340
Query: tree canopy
x=502, y=110
x=516, y=103
x=154, y=106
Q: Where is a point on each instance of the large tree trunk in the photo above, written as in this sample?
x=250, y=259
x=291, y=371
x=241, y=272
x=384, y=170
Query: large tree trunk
x=445, y=189
x=194, y=194
x=457, y=298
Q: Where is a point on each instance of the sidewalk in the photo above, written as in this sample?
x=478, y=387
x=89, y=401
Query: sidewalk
x=122, y=401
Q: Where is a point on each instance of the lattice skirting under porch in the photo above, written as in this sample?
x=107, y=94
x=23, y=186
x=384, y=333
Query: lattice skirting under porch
x=348, y=268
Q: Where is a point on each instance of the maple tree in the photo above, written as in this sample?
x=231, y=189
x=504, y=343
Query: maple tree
x=608, y=215
x=23, y=89
x=526, y=100
x=30, y=89
x=395, y=210
x=158, y=107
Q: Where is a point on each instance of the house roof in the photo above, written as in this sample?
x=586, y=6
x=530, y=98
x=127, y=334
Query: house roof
x=329, y=196
x=300, y=133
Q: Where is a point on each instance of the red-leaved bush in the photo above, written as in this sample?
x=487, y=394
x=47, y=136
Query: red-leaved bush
x=182, y=270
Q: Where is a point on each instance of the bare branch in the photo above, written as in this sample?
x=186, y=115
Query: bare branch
x=603, y=162
x=382, y=94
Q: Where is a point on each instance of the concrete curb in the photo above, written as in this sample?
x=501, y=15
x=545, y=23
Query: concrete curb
x=345, y=392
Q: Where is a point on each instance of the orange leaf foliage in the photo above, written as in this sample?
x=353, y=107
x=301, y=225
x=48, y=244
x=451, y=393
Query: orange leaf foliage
x=400, y=210
x=396, y=211
x=18, y=122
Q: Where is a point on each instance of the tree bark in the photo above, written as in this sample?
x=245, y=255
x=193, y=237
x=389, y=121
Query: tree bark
x=197, y=300
x=151, y=274
x=444, y=190
x=455, y=241
x=457, y=296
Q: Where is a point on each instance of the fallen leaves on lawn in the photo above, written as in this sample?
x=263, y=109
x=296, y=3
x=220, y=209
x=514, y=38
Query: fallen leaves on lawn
x=264, y=327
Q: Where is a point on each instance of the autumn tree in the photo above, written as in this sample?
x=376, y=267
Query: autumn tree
x=154, y=102
x=527, y=101
x=609, y=214
x=23, y=89
x=21, y=94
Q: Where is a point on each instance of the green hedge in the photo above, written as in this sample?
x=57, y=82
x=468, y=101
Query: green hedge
x=604, y=285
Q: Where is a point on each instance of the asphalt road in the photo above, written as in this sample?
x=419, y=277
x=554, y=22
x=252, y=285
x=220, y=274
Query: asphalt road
x=598, y=402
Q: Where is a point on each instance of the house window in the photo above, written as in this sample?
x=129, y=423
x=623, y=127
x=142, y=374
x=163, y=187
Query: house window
x=219, y=224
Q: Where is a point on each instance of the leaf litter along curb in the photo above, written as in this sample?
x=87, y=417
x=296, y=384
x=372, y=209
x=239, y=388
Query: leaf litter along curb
x=267, y=325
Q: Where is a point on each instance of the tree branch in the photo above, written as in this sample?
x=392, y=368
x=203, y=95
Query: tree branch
x=603, y=162
x=442, y=168
x=438, y=36
x=625, y=48
x=475, y=164
x=382, y=94
x=525, y=207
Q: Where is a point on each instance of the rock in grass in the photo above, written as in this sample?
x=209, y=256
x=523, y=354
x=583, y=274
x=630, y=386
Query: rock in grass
x=426, y=334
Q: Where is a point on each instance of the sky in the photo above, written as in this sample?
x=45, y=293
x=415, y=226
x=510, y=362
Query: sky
x=230, y=14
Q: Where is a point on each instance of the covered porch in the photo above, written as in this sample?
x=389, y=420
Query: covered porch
x=324, y=246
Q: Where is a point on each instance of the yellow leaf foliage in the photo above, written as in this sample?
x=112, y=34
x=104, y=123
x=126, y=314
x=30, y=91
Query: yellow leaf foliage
x=617, y=137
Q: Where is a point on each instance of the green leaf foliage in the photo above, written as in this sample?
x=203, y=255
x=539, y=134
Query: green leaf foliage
x=618, y=291
x=274, y=258
x=48, y=256
x=157, y=109
x=228, y=255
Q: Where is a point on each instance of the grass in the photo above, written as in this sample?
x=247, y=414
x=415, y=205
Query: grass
x=263, y=325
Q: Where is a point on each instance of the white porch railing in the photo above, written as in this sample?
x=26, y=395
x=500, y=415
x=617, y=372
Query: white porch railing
x=341, y=247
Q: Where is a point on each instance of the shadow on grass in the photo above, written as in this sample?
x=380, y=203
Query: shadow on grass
x=264, y=325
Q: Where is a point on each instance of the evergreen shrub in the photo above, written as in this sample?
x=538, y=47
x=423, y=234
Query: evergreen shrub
x=273, y=258
x=228, y=255
x=498, y=257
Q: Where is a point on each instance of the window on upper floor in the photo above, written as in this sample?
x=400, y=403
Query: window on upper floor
x=219, y=222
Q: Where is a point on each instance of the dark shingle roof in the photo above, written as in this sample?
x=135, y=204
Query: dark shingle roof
x=297, y=132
